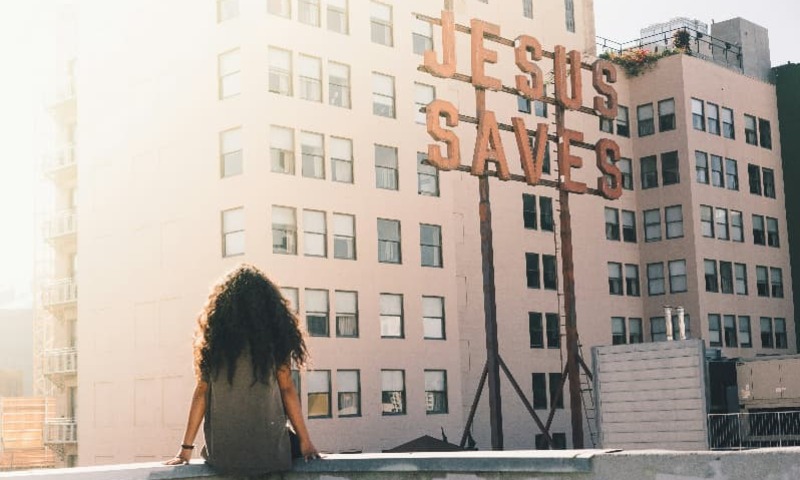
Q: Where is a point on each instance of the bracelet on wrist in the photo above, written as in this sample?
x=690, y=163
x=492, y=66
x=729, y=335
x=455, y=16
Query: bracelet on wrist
x=187, y=447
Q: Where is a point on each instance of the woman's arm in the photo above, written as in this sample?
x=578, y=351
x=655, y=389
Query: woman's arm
x=196, y=413
x=291, y=404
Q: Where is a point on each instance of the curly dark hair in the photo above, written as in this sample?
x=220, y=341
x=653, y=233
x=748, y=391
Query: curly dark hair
x=245, y=310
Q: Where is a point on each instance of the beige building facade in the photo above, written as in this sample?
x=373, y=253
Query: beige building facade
x=287, y=134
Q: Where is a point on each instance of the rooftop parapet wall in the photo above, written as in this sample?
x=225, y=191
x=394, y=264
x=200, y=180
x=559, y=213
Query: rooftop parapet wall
x=531, y=465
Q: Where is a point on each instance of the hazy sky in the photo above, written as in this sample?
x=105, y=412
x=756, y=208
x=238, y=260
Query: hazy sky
x=26, y=43
x=621, y=20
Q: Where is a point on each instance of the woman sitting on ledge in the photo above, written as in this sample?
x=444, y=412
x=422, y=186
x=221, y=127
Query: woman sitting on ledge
x=246, y=340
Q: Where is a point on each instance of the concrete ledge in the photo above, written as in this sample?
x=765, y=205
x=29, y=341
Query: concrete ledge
x=772, y=464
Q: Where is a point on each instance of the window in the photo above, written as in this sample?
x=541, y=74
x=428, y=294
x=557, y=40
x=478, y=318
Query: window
x=556, y=396
x=391, y=307
x=728, y=130
x=381, y=24
x=606, y=125
x=433, y=318
x=346, y=313
x=315, y=234
x=721, y=216
x=707, y=221
x=546, y=213
x=383, y=95
x=776, y=278
x=319, y=393
x=623, y=127
x=284, y=230
x=550, y=276
x=666, y=115
x=677, y=276
x=280, y=71
x=348, y=398
x=281, y=8
x=229, y=66
x=655, y=279
x=710, y=267
x=717, y=175
x=629, y=226
x=281, y=149
x=532, y=270
x=389, y=250
x=553, y=330
x=652, y=225
x=344, y=236
x=529, y=211
x=673, y=217
x=527, y=8
x=292, y=297
x=644, y=118
x=570, y=15
x=338, y=16
x=658, y=329
x=750, y=130
x=781, y=340
x=233, y=232
x=523, y=104
x=773, y=239
x=670, y=172
x=731, y=174
x=726, y=277
x=310, y=75
x=701, y=166
x=317, y=313
x=754, y=178
x=341, y=159
x=423, y=95
x=740, y=274
x=764, y=133
x=649, y=172
x=624, y=165
x=393, y=392
x=612, y=223
x=713, y=119
x=421, y=36
x=312, y=149
x=766, y=333
x=540, y=109
x=698, y=115
x=339, y=84
x=618, y=334
x=539, y=381
x=759, y=237
x=714, y=330
x=227, y=10
x=635, y=334
x=386, y=174
x=427, y=177
x=632, y=280
x=737, y=226
x=430, y=244
x=729, y=331
x=762, y=281
x=435, y=391
x=535, y=330
x=769, y=183
x=745, y=339
x=308, y=12
x=230, y=152
x=615, y=278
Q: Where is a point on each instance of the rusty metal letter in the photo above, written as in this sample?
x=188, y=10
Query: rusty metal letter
x=447, y=68
x=532, y=88
x=567, y=161
x=608, y=108
x=605, y=148
x=531, y=161
x=482, y=55
x=489, y=148
x=436, y=109
x=574, y=99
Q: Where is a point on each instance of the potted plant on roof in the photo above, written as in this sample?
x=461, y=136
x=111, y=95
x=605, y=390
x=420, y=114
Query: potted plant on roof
x=681, y=40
